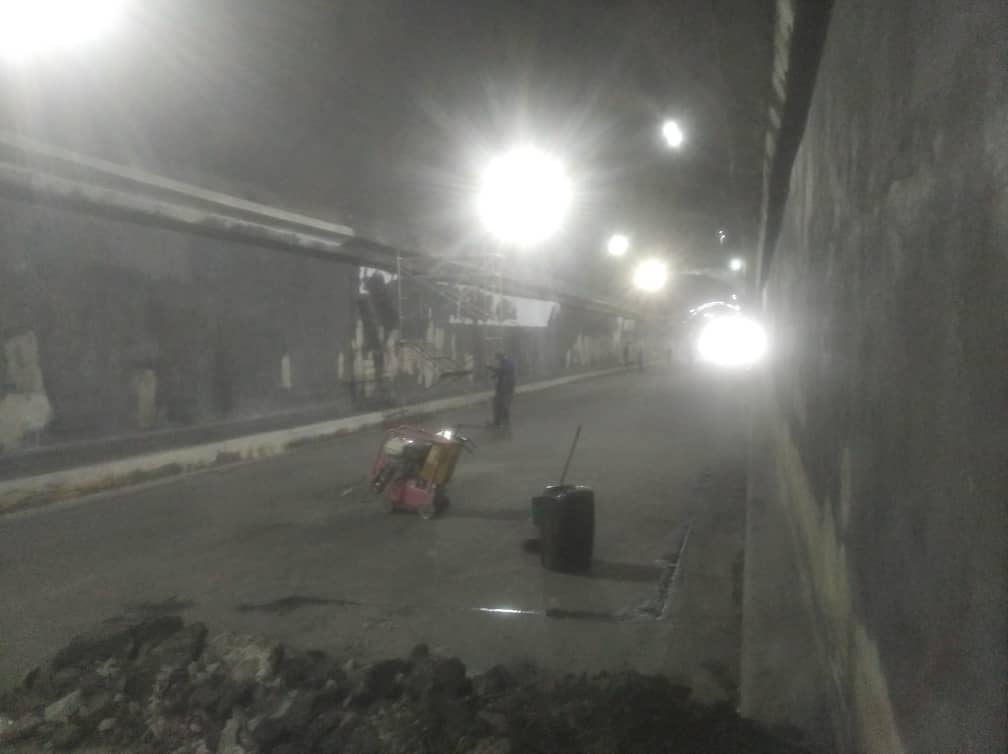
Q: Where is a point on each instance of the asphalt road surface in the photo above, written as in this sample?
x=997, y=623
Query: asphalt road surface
x=292, y=547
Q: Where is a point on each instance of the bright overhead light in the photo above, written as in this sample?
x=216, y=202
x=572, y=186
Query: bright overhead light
x=732, y=341
x=650, y=275
x=618, y=245
x=524, y=196
x=673, y=134
x=737, y=264
x=29, y=28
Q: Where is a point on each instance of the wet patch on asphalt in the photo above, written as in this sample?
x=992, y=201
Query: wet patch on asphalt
x=513, y=514
x=286, y=605
x=171, y=606
x=634, y=573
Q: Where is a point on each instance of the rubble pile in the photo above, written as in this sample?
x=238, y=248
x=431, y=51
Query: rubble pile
x=164, y=686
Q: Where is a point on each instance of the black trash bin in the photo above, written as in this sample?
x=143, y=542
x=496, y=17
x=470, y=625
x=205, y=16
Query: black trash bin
x=567, y=534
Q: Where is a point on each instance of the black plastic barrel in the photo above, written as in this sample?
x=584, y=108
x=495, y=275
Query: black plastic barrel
x=567, y=536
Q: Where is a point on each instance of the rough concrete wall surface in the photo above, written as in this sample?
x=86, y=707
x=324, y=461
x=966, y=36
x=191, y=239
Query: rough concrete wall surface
x=110, y=329
x=137, y=328
x=888, y=297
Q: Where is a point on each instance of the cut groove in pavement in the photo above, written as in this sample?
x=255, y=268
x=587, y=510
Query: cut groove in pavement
x=659, y=608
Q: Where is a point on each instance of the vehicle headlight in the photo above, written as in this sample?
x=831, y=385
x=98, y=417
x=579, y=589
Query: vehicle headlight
x=732, y=341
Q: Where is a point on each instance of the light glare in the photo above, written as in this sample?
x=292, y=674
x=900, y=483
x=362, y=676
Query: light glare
x=673, y=134
x=29, y=28
x=736, y=264
x=732, y=341
x=650, y=275
x=618, y=245
x=504, y=610
x=524, y=197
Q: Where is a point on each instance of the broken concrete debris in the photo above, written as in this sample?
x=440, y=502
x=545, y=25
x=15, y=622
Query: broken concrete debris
x=162, y=686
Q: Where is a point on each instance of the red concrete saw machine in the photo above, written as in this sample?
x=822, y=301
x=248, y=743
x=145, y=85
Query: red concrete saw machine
x=413, y=468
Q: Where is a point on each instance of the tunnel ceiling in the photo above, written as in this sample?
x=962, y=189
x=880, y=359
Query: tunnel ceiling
x=380, y=114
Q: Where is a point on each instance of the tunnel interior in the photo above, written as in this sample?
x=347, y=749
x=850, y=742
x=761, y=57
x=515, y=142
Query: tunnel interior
x=250, y=234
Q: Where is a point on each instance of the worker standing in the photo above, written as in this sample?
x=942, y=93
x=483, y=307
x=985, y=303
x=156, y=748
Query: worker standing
x=504, y=387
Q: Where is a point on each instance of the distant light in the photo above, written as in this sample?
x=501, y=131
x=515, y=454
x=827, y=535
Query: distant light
x=673, y=134
x=524, y=197
x=650, y=275
x=618, y=245
x=712, y=309
x=732, y=341
x=722, y=236
x=29, y=28
x=737, y=264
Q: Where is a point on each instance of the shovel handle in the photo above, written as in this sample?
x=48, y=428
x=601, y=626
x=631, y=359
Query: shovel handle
x=577, y=436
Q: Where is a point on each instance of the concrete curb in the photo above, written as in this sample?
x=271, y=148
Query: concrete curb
x=54, y=486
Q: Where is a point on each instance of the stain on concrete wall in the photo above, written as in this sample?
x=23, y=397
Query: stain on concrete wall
x=444, y=334
x=887, y=296
x=145, y=395
x=24, y=406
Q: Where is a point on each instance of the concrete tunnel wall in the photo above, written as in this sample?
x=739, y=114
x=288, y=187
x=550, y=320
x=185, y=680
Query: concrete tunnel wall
x=887, y=295
x=109, y=328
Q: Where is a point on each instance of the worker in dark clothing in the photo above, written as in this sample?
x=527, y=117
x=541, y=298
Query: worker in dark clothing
x=504, y=387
